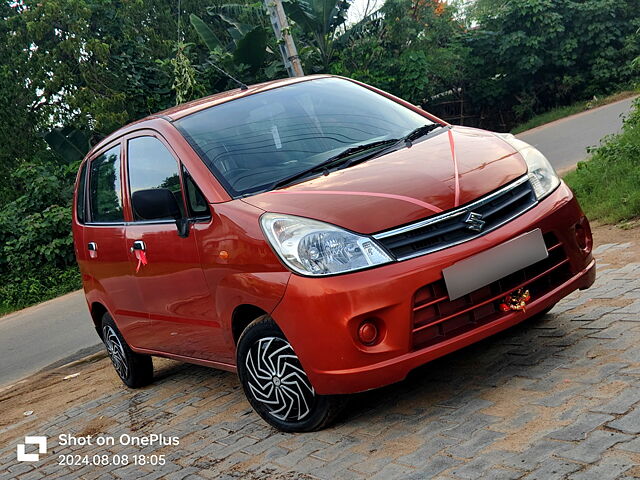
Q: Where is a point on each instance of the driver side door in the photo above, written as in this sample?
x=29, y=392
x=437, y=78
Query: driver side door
x=172, y=284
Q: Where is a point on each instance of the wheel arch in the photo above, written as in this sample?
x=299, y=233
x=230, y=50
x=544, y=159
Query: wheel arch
x=241, y=317
x=97, y=311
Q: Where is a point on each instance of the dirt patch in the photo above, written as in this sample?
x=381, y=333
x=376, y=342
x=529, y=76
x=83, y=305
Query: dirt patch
x=47, y=394
x=96, y=426
x=603, y=234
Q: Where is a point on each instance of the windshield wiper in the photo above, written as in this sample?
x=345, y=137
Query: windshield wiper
x=420, y=132
x=346, y=158
x=406, y=140
x=333, y=161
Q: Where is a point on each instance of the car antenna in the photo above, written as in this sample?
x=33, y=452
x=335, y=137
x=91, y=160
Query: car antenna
x=243, y=86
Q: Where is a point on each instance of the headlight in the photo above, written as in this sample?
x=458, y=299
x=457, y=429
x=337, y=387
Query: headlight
x=310, y=247
x=541, y=174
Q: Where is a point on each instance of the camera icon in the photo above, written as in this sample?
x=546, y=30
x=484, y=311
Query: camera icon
x=40, y=441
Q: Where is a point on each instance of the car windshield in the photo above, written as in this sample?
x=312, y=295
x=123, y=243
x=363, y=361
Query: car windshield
x=253, y=142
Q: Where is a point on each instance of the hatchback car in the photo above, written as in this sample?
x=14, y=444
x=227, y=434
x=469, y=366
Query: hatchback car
x=319, y=237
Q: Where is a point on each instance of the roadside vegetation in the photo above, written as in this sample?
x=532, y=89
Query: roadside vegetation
x=75, y=70
x=608, y=184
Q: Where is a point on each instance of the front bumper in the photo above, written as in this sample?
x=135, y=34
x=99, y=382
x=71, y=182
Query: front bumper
x=320, y=316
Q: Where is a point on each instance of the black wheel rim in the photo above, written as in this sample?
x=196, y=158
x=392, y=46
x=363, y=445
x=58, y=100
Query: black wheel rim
x=115, y=350
x=277, y=381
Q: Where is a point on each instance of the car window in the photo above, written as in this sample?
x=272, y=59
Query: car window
x=251, y=142
x=151, y=165
x=80, y=197
x=196, y=202
x=105, y=197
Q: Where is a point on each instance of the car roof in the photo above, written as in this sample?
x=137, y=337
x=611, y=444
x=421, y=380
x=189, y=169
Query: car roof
x=180, y=111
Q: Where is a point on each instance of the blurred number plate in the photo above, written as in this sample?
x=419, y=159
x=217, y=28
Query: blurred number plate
x=484, y=268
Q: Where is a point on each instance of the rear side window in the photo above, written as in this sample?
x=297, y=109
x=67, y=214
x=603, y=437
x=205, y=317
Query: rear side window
x=151, y=165
x=80, y=197
x=105, y=197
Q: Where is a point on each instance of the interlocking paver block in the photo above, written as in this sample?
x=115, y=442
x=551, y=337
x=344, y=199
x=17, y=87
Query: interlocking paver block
x=632, y=446
x=478, y=441
x=552, y=469
x=474, y=469
x=591, y=449
x=428, y=449
x=621, y=403
x=581, y=426
x=393, y=471
x=608, y=469
x=466, y=428
x=630, y=423
x=434, y=466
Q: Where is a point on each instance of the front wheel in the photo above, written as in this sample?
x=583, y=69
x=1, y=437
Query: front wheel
x=275, y=383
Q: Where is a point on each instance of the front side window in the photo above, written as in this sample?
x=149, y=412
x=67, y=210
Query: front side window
x=105, y=195
x=251, y=142
x=151, y=166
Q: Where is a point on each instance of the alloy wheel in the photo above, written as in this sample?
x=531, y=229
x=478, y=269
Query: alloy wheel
x=116, y=352
x=276, y=379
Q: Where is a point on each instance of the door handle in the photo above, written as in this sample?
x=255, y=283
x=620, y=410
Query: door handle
x=138, y=245
x=92, y=246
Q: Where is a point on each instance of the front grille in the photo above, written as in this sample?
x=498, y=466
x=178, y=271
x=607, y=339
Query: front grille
x=456, y=226
x=436, y=318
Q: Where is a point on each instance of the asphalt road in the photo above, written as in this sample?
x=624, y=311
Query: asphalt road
x=53, y=332
x=61, y=330
x=565, y=141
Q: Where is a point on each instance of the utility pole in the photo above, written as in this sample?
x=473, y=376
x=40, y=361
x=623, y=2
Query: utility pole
x=285, y=40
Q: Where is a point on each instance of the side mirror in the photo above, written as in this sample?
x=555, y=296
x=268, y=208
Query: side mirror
x=159, y=204
x=155, y=204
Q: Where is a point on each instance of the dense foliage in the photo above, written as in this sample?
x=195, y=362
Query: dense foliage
x=74, y=70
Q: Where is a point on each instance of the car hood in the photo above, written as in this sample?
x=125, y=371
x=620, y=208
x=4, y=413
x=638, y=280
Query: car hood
x=403, y=186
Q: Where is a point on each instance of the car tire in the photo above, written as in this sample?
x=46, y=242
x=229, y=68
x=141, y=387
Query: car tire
x=275, y=382
x=134, y=369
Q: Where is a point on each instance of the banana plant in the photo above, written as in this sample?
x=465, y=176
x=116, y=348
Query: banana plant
x=320, y=21
x=246, y=43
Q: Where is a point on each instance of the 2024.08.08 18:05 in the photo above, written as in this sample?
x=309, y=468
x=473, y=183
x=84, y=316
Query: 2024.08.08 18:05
x=318, y=236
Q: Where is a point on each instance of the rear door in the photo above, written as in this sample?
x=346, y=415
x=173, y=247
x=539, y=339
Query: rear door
x=103, y=241
x=172, y=283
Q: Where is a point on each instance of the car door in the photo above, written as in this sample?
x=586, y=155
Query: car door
x=172, y=284
x=106, y=260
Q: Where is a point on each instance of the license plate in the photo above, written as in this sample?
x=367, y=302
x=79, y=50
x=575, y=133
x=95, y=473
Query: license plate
x=498, y=262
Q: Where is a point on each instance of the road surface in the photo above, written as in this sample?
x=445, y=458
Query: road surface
x=565, y=141
x=53, y=332
x=60, y=330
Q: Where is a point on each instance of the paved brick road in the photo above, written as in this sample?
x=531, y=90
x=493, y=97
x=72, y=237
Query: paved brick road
x=554, y=398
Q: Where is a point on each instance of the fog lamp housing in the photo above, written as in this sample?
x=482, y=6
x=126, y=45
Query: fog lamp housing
x=368, y=333
x=583, y=235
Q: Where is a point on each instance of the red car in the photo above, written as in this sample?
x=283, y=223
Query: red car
x=318, y=236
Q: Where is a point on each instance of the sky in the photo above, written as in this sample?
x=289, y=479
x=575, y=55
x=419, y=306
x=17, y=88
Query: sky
x=360, y=7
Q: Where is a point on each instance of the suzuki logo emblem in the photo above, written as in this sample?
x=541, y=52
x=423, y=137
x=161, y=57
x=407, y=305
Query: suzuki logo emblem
x=474, y=221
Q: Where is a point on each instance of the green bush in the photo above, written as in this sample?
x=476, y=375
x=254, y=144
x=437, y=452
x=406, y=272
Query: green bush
x=36, y=254
x=608, y=184
x=21, y=290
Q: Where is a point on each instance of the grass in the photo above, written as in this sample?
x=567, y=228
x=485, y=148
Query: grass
x=562, y=112
x=608, y=184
